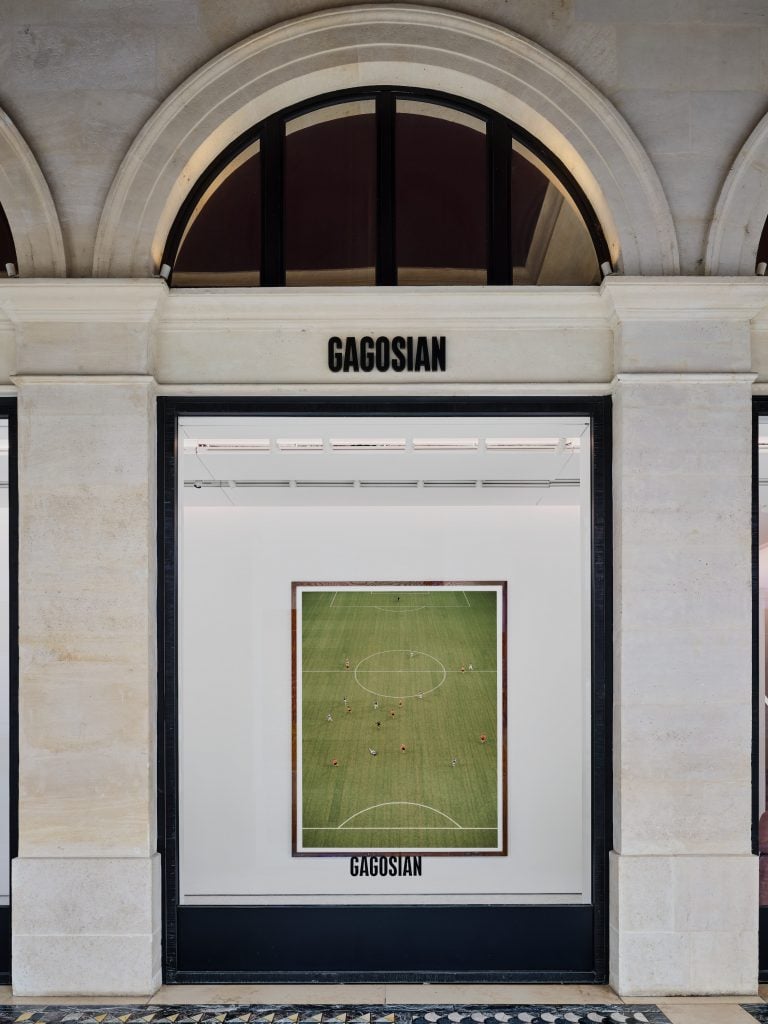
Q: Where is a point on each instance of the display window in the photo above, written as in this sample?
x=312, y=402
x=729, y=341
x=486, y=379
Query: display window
x=384, y=636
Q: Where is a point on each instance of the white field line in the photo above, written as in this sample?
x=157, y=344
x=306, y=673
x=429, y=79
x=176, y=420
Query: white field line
x=335, y=595
x=466, y=598
x=399, y=803
x=405, y=671
x=399, y=696
x=399, y=828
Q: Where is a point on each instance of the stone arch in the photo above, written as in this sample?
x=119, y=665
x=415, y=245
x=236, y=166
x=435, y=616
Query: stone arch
x=741, y=209
x=28, y=205
x=386, y=44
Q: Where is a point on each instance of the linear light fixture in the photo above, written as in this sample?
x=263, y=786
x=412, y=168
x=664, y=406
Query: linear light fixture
x=262, y=483
x=389, y=483
x=451, y=483
x=532, y=444
x=445, y=444
x=368, y=444
x=226, y=444
x=300, y=444
x=325, y=483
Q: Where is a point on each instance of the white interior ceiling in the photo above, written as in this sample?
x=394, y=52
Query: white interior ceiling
x=242, y=461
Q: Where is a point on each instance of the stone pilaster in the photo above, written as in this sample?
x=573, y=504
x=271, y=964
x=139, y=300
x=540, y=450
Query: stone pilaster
x=683, y=904
x=85, y=886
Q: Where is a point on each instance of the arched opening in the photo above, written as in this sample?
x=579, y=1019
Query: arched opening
x=8, y=262
x=761, y=259
x=386, y=186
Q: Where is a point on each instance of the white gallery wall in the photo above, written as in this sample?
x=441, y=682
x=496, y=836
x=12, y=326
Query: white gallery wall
x=235, y=694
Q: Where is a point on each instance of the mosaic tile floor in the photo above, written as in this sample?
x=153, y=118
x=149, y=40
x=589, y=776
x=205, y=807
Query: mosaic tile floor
x=238, y=1014
x=757, y=1010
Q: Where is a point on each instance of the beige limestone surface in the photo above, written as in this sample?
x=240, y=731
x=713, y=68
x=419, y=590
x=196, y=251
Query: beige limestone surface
x=80, y=81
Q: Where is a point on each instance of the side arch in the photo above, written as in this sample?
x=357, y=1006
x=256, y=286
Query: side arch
x=29, y=207
x=741, y=209
x=385, y=44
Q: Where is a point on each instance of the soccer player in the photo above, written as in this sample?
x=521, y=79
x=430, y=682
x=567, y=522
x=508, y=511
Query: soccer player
x=420, y=695
x=375, y=705
x=462, y=667
x=345, y=702
x=329, y=717
x=391, y=712
x=334, y=763
x=454, y=762
x=378, y=725
x=346, y=663
x=372, y=752
x=401, y=703
x=470, y=666
x=402, y=748
x=349, y=709
x=483, y=737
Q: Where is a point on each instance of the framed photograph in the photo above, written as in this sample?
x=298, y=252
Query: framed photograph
x=399, y=718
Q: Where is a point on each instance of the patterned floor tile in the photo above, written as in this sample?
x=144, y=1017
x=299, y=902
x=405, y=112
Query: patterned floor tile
x=238, y=1014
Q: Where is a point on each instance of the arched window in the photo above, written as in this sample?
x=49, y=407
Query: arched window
x=761, y=261
x=386, y=186
x=7, y=248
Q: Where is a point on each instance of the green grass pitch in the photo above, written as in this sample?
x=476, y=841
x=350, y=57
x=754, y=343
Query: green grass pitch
x=406, y=650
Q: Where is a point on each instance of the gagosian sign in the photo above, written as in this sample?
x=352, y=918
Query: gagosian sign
x=398, y=354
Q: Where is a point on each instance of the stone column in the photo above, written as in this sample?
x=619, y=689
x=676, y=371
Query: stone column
x=684, y=898
x=86, y=882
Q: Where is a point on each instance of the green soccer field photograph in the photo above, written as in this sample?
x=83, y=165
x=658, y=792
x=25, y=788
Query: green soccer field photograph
x=399, y=714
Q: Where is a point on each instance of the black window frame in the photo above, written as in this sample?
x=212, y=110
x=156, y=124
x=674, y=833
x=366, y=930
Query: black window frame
x=501, y=133
x=8, y=412
x=355, y=943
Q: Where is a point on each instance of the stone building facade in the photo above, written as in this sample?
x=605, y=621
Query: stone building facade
x=111, y=112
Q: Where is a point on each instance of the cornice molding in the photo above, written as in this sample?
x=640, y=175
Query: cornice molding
x=340, y=310
x=689, y=299
x=81, y=301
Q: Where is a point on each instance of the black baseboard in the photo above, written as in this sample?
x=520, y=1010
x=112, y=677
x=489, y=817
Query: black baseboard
x=386, y=943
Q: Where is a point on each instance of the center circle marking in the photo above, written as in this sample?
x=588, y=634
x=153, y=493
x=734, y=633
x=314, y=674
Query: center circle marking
x=399, y=650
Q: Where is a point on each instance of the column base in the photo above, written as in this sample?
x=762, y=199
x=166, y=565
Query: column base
x=86, y=926
x=683, y=925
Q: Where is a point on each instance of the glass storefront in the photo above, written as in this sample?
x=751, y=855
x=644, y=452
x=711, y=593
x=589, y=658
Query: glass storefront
x=386, y=686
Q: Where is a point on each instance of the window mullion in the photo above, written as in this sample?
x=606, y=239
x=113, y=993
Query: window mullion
x=272, y=216
x=499, y=201
x=386, y=263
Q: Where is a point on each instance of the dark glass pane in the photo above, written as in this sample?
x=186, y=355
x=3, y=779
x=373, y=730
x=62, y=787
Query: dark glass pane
x=7, y=248
x=330, y=196
x=550, y=241
x=441, y=220
x=222, y=241
x=762, y=247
